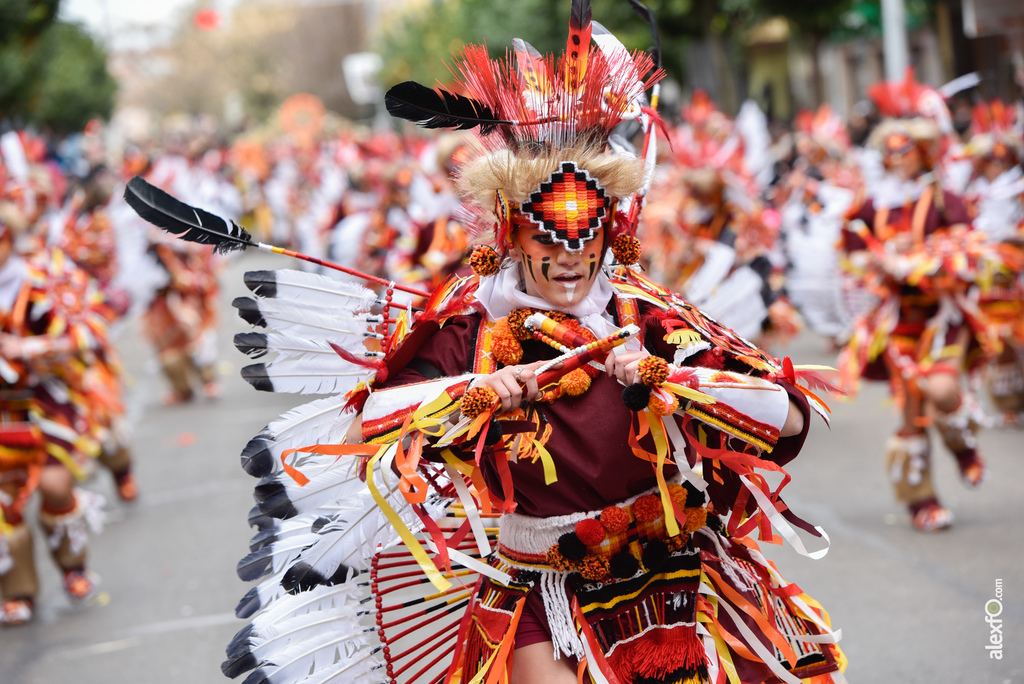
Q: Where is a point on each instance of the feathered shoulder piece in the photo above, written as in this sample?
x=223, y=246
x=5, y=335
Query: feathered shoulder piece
x=529, y=101
x=690, y=329
x=694, y=332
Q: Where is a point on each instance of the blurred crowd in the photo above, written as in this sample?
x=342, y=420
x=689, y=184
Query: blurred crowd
x=896, y=236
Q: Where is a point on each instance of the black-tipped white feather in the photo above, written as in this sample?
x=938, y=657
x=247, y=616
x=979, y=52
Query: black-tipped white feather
x=287, y=317
x=289, y=621
x=318, y=647
x=310, y=290
x=187, y=222
x=301, y=376
x=323, y=420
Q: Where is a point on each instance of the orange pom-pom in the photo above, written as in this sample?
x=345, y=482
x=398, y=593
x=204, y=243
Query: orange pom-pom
x=478, y=400
x=653, y=371
x=575, y=382
x=626, y=249
x=658, y=407
x=505, y=348
x=590, y=531
x=556, y=560
x=678, y=542
x=647, y=508
x=593, y=568
x=696, y=518
x=615, y=519
x=484, y=261
x=678, y=495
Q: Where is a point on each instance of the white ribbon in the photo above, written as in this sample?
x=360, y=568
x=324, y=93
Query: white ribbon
x=752, y=641
x=474, y=564
x=483, y=545
x=782, y=525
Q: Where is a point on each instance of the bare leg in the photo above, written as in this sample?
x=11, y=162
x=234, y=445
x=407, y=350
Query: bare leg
x=536, y=664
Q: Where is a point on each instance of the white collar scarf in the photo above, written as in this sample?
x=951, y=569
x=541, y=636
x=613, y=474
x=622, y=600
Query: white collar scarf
x=501, y=293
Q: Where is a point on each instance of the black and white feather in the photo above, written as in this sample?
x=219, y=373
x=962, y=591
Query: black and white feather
x=306, y=315
x=189, y=223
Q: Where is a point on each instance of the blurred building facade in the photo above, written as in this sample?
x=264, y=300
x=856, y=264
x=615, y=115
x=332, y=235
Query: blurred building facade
x=956, y=37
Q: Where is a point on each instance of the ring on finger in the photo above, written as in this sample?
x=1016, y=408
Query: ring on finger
x=518, y=372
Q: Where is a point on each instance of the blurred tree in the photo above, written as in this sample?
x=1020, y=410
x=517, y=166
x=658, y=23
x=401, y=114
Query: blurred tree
x=415, y=43
x=74, y=85
x=22, y=22
x=52, y=73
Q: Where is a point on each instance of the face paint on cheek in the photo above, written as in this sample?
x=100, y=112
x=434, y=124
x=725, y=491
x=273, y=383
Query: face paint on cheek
x=528, y=260
x=545, y=267
x=592, y=262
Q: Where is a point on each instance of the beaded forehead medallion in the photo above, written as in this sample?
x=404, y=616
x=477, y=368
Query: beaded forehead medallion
x=569, y=206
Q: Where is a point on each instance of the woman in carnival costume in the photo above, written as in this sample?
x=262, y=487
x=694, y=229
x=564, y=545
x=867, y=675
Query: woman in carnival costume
x=621, y=517
x=908, y=242
x=813, y=198
x=717, y=237
x=51, y=318
x=995, y=197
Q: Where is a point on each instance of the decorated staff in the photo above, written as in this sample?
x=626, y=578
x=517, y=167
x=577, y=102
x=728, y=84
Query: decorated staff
x=622, y=549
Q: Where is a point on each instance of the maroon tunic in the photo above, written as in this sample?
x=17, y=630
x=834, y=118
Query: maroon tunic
x=589, y=440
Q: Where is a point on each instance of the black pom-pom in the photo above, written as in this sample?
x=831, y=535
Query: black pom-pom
x=635, y=397
x=571, y=548
x=694, y=497
x=623, y=565
x=655, y=555
x=716, y=524
x=494, y=433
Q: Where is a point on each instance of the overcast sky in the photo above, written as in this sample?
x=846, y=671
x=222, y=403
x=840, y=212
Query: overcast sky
x=113, y=20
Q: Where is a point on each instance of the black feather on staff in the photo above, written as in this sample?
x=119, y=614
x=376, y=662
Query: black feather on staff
x=432, y=109
x=188, y=223
x=645, y=12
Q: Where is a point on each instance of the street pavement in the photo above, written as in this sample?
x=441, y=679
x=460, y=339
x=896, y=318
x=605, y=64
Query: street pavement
x=912, y=607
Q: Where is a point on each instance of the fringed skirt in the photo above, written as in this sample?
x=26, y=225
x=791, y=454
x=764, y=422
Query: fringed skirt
x=634, y=605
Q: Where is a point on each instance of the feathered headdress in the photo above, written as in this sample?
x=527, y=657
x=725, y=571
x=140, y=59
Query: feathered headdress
x=996, y=132
x=534, y=114
x=826, y=128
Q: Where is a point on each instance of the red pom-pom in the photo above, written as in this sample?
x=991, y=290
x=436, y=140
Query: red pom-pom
x=615, y=519
x=484, y=261
x=647, y=508
x=590, y=531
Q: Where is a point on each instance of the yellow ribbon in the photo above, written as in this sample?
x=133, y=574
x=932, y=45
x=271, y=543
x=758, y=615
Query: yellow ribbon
x=657, y=429
x=687, y=393
x=427, y=565
x=547, y=462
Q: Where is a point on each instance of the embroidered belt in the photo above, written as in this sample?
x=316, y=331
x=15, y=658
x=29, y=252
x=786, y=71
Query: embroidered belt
x=616, y=543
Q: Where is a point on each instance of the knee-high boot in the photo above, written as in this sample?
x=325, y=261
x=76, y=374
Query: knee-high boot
x=18, y=577
x=958, y=430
